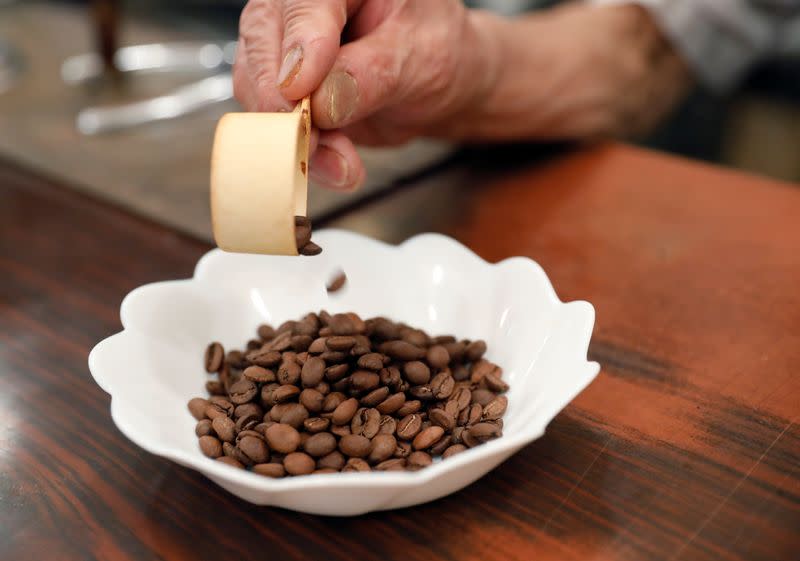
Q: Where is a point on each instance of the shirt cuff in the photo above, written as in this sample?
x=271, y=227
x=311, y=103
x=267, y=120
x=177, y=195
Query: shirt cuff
x=720, y=41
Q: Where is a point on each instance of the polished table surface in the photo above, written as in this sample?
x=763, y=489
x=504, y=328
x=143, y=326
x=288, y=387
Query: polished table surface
x=686, y=446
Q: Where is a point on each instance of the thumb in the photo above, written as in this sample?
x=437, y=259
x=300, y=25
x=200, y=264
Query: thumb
x=365, y=77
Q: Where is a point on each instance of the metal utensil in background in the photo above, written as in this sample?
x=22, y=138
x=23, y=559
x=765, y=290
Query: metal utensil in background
x=179, y=102
x=155, y=57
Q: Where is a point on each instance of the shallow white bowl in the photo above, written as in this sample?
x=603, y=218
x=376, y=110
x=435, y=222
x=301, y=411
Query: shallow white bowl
x=154, y=366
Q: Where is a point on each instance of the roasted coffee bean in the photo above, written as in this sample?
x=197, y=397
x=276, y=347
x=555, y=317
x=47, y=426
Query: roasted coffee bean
x=215, y=387
x=371, y=361
x=418, y=460
x=359, y=324
x=334, y=460
x=225, y=428
x=318, y=346
x=410, y=406
x=336, y=372
x=442, y=418
x=392, y=403
x=242, y=391
x=325, y=331
x=427, y=437
x=345, y=411
x=258, y=374
x=455, y=350
x=332, y=401
x=300, y=343
x=416, y=337
x=197, y=407
x=264, y=357
x=286, y=326
x=442, y=385
x=403, y=449
x=343, y=386
x=313, y=372
x=285, y=393
x=294, y=415
x=312, y=400
x=340, y=430
x=253, y=344
x=355, y=445
x=462, y=397
x=214, y=357
x=442, y=445
x=395, y=464
x=302, y=236
x=483, y=432
x=340, y=342
x=366, y=422
x=233, y=462
x=494, y=382
x=383, y=447
x=298, y=463
x=475, y=350
x=235, y=359
x=457, y=433
x=417, y=372
x=342, y=324
x=270, y=470
x=388, y=425
x=423, y=392
x=495, y=408
x=316, y=424
x=451, y=408
x=452, y=450
x=480, y=369
x=385, y=330
x=310, y=249
x=301, y=358
x=323, y=471
x=229, y=449
x=255, y=449
x=218, y=406
x=203, y=428
x=282, y=342
x=333, y=357
x=474, y=414
x=210, y=446
x=390, y=377
x=319, y=445
x=262, y=427
x=288, y=372
x=247, y=409
x=437, y=357
x=336, y=282
x=460, y=373
x=482, y=396
x=323, y=387
x=266, y=332
x=277, y=411
x=282, y=438
x=409, y=426
x=402, y=350
x=252, y=433
x=376, y=396
x=364, y=380
x=356, y=464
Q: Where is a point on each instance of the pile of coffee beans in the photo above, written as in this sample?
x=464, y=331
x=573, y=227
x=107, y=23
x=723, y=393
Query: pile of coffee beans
x=302, y=237
x=335, y=393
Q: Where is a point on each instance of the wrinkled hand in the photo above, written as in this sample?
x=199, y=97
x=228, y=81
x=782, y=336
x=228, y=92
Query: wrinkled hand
x=404, y=68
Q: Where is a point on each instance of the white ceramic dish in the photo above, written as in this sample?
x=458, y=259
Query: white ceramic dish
x=154, y=366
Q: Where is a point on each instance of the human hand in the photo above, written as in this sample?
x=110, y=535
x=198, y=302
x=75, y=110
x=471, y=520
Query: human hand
x=404, y=68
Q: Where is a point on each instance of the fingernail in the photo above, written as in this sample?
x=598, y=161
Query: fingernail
x=329, y=168
x=290, y=66
x=342, y=93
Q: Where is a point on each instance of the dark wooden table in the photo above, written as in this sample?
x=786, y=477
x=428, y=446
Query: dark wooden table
x=686, y=446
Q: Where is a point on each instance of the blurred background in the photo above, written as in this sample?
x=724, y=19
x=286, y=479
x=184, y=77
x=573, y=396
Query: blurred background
x=120, y=99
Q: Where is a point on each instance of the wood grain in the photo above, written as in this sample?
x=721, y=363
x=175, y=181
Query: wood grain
x=686, y=447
